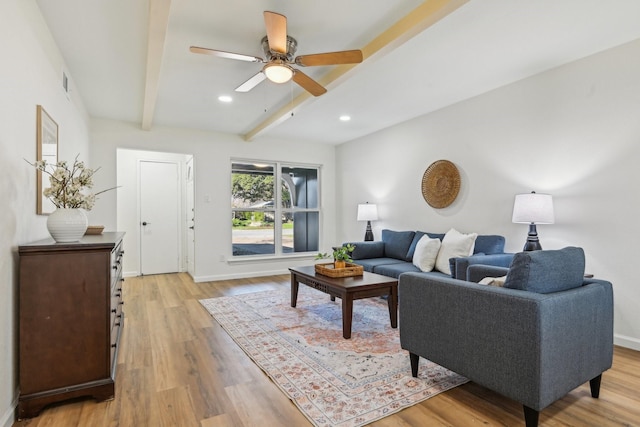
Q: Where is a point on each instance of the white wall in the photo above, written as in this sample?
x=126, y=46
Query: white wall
x=573, y=132
x=212, y=154
x=31, y=74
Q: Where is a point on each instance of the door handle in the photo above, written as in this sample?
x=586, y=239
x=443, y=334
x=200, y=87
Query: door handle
x=145, y=223
x=192, y=227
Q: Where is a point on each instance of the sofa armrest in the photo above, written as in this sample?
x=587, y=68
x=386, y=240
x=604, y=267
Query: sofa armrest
x=366, y=250
x=514, y=342
x=459, y=266
x=477, y=272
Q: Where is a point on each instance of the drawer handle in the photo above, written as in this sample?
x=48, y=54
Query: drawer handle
x=118, y=324
x=113, y=345
x=121, y=303
x=122, y=279
x=113, y=310
x=118, y=295
x=115, y=267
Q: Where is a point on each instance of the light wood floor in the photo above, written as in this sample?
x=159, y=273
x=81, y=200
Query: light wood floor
x=178, y=367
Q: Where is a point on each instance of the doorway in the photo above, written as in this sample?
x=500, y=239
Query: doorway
x=159, y=217
x=149, y=182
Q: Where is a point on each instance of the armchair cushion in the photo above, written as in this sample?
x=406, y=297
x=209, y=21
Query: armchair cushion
x=547, y=271
x=397, y=243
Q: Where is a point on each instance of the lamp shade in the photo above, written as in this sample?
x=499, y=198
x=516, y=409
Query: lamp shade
x=367, y=212
x=533, y=208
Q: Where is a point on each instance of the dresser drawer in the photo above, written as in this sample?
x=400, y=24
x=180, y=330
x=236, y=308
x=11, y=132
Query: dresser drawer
x=116, y=264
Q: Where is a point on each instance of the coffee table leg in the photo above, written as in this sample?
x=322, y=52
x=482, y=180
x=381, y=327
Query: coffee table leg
x=294, y=290
x=347, y=313
x=392, y=301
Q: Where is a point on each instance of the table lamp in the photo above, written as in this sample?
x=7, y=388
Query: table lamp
x=368, y=212
x=533, y=208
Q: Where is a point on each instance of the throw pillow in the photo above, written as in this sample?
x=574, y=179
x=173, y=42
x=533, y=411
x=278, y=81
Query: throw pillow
x=493, y=281
x=546, y=271
x=426, y=252
x=454, y=245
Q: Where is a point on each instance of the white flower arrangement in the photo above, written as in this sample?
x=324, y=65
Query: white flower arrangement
x=67, y=184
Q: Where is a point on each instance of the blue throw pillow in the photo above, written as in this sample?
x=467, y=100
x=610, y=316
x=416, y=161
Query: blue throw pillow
x=397, y=243
x=549, y=271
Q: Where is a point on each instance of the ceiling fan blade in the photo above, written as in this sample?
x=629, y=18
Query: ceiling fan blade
x=276, y=25
x=252, y=82
x=308, y=84
x=223, y=54
x=330, y=58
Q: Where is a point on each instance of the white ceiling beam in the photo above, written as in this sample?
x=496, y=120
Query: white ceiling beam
x=158, y=22
x=418, y=20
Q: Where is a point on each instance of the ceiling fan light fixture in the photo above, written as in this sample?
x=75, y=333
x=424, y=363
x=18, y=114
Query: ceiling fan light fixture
x=278, y=72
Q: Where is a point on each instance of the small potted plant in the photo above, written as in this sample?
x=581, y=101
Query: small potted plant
x=341, y=255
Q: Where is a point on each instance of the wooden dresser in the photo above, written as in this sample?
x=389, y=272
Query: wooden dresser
x=70, y=316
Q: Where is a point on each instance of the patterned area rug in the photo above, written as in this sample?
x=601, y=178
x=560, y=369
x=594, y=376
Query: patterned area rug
x=333, y=381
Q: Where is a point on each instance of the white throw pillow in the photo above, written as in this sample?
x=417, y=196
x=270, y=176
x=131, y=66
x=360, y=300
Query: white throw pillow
x=426, y=253
x=493, y=281
x=454, y=245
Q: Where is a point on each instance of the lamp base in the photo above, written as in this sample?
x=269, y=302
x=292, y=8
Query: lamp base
x=533, y=244
x=368, y=235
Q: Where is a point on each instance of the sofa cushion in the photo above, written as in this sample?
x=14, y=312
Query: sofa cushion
x=426, y=253
x=547, y=271
x=454, y=244
x=416, y=239
x=395, y=270
x=396, y=243
x=365, y=250
x=370, y=264
x=489, y=244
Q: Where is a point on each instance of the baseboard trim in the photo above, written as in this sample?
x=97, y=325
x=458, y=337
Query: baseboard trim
x=8, y=418
x=243, y=275
x=625, y=341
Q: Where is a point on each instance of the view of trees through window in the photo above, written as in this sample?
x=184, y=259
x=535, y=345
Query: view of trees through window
x=274, y=219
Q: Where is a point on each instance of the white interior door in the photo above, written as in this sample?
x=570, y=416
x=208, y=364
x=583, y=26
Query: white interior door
x=159, y=217
x=191, y=220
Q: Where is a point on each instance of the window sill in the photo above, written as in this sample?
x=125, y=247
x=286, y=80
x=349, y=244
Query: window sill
x=250, y=259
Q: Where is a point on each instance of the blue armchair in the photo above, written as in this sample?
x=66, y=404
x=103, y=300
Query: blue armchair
x=547, y=331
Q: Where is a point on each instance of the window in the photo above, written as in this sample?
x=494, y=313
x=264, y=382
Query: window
x=270, y=219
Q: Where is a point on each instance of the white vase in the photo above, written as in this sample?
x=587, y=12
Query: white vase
x=67, y=225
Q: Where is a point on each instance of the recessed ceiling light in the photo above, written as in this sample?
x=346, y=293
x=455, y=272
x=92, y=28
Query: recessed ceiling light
x=225, y=98
x=345, y=118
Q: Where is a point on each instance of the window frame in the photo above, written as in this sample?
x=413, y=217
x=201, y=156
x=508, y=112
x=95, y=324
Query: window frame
x=277, y=208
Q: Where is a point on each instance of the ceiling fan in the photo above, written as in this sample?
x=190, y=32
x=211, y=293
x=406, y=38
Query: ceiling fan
x=279, y=49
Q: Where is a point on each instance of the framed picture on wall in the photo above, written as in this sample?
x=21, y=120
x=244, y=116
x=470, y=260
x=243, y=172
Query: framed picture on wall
x=46, y=149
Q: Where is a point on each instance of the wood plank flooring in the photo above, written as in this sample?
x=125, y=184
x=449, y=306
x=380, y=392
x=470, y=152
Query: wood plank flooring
x=178, y=367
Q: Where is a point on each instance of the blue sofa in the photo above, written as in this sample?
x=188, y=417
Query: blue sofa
x=545, y=332
x=393, y=255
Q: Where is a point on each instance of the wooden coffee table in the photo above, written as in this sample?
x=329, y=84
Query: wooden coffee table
x=348, y=289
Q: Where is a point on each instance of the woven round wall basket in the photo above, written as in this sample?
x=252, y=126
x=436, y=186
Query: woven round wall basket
x=440, y=184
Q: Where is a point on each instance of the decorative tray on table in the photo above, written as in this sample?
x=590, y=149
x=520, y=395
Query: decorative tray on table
x=331, y=271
